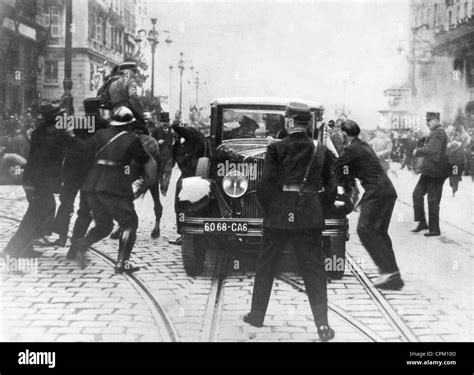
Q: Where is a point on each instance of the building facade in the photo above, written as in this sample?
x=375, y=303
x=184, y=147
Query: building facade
x=442, y=56
x=103, y=34
x=22, y=40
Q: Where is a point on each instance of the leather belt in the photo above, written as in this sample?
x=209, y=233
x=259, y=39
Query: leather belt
x=306, y=189
x=110, y=163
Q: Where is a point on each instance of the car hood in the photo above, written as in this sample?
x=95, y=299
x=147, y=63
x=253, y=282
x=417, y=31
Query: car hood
x=248, y=148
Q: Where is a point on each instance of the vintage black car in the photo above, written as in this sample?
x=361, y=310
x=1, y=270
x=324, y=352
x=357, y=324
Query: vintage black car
x=220, y=204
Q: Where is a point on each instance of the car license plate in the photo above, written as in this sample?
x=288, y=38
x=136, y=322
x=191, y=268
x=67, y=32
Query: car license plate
x=225, y=227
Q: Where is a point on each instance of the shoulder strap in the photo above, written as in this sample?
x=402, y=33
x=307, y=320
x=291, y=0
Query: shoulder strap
x=110, y=142
x=308, y=168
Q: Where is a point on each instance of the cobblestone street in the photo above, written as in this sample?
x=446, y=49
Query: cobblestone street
x=57, y=301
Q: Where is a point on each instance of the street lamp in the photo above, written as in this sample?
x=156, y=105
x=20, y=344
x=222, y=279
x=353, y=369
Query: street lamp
x=171, y=83
x=197, y=83
x=152, y=38
x=67, y=99
x=181, y=69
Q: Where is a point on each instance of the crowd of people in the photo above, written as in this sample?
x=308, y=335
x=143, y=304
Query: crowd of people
x=131, y=152
x=111, y=164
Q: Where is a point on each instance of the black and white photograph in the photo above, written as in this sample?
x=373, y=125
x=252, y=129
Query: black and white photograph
x=226, y=171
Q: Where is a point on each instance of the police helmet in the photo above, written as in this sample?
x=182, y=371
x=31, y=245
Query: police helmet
x=122, y=116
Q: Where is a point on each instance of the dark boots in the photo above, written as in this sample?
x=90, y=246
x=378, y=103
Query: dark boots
x=127, y=241
x=155, y=233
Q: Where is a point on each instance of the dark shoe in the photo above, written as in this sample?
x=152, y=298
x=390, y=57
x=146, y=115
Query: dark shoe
x=250, y=319
x=177, y=241
x=116, y=234
x=389, y=281
x=421, y=226
x=72, y=253
x=325, y=333
x=155, y=233
x=432, y=234
x=81, y=259
x=127, y=268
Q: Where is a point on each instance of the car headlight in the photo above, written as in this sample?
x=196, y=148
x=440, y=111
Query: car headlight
x=235, y=184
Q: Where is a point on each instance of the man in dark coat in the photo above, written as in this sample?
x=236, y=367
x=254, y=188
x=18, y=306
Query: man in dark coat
x=188, y=148
x=434, y=171
x=294, y=171
x=108, y=186
x=165, y=138
x=41, y=180
x=76, y=167
x=376, y=206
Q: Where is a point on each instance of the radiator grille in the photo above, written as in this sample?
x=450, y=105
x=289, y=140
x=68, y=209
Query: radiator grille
x=250, y=206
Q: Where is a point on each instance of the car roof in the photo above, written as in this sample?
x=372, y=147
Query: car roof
x=278, y=101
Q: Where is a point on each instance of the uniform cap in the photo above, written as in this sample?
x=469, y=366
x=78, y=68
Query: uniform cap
x=432, y=115
x=122, y=116
x=127, y=66
x=299, y=112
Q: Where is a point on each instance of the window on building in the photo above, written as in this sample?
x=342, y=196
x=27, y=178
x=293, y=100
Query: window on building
x=55, y=24
x=50, y=71
x=470, y=71
x=92, y=30
x=104, y=32
x=51, y=17
x=98, y=30
x=428, y=18
x=458, y=14
x=450, y=19
x=465, y=10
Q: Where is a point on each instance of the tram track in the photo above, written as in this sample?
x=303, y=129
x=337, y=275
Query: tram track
x=383, y=306
x=163, y=322
x=215, y=301
x=213, y=311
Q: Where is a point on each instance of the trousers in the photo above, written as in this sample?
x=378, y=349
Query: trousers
x=41, y=208
x=107, y=208
x=308, y=248
x=433, y=186
x=372, y=228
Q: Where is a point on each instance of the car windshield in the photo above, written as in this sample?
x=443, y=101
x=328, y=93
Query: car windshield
x=251, y=123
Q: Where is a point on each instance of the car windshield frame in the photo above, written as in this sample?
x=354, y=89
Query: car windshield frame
x=217, y=126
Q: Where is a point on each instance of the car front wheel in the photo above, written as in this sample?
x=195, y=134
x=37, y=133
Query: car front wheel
x=193, y=252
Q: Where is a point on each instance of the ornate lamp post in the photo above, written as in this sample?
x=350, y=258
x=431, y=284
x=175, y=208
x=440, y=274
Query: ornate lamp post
x=67, y=99
x=181, y=69
x=152, y=39
x=171, y=83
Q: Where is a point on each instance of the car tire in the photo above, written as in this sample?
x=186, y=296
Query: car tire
x=193, y=252
x=203, y=166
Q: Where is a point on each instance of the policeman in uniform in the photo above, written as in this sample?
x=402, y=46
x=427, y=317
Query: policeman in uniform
x=108, y=187
x=294, y=171
x=123, y=91
x=435, y=170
